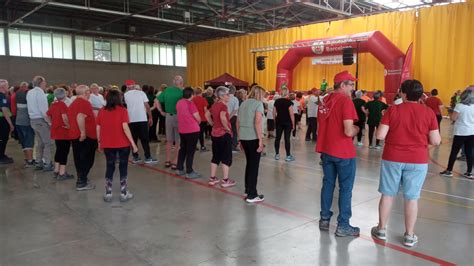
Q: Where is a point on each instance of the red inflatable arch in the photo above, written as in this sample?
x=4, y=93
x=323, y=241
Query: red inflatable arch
x=373, y=42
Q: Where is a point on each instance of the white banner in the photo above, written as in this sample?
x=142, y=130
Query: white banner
x=330, y=60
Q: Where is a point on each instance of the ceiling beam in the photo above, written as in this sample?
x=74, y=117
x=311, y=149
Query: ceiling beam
x=44, y=3
x=326, y=8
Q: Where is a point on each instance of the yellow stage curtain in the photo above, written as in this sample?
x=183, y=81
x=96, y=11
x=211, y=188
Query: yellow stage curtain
x=442, y=38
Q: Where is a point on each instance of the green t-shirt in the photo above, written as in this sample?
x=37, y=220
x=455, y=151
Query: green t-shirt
x=50, y=97
x=169, y=97
x=358, y=104
x=324, y=85
x=375, y=109
x=246, y=117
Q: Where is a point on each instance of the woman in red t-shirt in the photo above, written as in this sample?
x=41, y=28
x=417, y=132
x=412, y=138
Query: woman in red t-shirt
x=57, y=112
x=115, y=140
x=221, y=135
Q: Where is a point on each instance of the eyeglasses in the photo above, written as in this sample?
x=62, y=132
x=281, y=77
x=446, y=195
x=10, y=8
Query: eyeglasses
x=351, y=84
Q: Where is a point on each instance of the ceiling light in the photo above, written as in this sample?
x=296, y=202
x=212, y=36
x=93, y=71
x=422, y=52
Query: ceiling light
x=167, y=6
x=231, y=20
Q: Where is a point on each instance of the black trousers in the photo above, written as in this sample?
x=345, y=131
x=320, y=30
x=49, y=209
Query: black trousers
x=4, y=136
x=458, y=142
x=152, y=130
x=161, y=124
x=439, y=118
x=84, y=156
x=187, y=149
x=140, y=131
x=251, y=168
x=111, y=155
x=233, y=122
x=361, y=125
x=202, y=132
x=371, y=135
x=280, y=129
x=62, y=151
x=312, y=128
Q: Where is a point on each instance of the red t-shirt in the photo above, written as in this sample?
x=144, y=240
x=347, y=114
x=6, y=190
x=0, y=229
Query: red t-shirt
x=186, y=121
x=334, y=109
x=434, y=103
x=111, y=127
x=218, y=130
x=58, y=127
x=13, y=104
x=81, y=106
x=408, y=135
x=201, y=103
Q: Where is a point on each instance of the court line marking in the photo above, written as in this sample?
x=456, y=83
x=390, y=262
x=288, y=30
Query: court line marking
x=305, y=217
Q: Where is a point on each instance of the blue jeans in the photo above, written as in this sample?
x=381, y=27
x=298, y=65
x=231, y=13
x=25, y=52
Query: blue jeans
x=344, y=170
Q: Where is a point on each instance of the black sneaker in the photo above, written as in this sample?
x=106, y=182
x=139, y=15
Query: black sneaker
x=446, y=173
x=87, y=186
x=347, y=230
x=468, y=175
x=66, y=176
x=203, y=149
x=324, y=225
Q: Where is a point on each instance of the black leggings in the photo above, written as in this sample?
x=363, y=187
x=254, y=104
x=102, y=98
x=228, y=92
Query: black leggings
x=280, y=129
x=439, y=118
x=202, y=132
x=371, y=135
x=62, y=151
x=139, y=130
x=361, y=126
x=188, y=143
x=251, y=168
x=458, y=142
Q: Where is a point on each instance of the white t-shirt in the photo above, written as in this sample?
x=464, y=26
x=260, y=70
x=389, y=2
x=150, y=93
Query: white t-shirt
x=312, y=105
x=135, y=101
x=464, y=125
x=97, y=101
x=271, y=104
x=398, y=101
x=296, y=106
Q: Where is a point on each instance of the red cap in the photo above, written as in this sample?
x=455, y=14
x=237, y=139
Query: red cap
x=343, y=76
x=130, y=82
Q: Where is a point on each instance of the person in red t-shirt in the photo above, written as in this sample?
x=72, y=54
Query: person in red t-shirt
x=60, y=133
x=436, y=105
x=336, y=118
x=218, y=118
x=115, y=139
x=84, y=136
x=407, y=128
x=202, y=104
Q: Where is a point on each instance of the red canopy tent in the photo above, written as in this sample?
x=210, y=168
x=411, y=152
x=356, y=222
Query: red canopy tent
x=225, y=80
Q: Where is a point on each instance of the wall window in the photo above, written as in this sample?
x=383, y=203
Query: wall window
x=40, y=44
x=88, y=48
x=166, y=55
x=180, y=55
x=151, y=53
x=2, y=42
x=137, y=53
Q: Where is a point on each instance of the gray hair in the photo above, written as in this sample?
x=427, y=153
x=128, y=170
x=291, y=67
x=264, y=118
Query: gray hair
x=24, y=83
x=81, y=89
x=94, y=85
x=467, y=96
x=178, y=80
x=232, y=89
x=358, y=94
x=221, y=91
x=37, y=81
x=60, y=93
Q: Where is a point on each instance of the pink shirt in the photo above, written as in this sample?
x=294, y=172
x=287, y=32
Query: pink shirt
x=186, y=121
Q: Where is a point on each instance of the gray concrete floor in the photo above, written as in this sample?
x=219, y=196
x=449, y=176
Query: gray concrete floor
x=173, y=221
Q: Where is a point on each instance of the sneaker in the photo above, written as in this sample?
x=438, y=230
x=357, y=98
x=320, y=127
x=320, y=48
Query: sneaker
x=126, y=196
x=180, y=172
x=257, y=199
x=108, y=197
x=324, y=225
x=55, y=174
x=203, y=149
x=39, y=166
x=347, y=230
x=66, y=176
x=6, y=161
x=235, y=150
x=446, y=173
x=409, y=240
x=290, y=158
x=468, y=175
x=136, y=160
x=371, y=147
x=193, y=175
x=85, y=187
x=379, y=233
x=225, y=183
x=378, y=147
x=277, y=157
x=151, y=160
x=48, y=167
x=213, y=181
x=461, y=158
x=29, y=164
x=307, y=139
x=359, y=144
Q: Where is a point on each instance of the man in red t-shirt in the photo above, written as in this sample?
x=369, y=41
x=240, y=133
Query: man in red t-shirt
x=436, y=105
x=407, y=128
x=84, y=136
x=336, y=118
x=202, y=104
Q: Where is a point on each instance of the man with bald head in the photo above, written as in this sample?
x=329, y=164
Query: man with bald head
x=84, y=136
x=6, y=125
x=169, y=97
x=96, y=99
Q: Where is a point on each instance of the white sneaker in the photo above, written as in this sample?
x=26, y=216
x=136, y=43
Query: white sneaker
x=359, y=144
x=126, y=196
x=258, y=198
x=409, y=240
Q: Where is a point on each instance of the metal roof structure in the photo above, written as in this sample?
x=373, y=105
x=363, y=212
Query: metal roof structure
x=183, y=21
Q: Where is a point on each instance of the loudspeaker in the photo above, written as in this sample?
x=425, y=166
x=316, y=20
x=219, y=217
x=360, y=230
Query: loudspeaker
x=348, y=56
x=261, y=62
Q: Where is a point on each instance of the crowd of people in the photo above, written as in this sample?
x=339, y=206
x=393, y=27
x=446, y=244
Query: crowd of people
x=112, y=120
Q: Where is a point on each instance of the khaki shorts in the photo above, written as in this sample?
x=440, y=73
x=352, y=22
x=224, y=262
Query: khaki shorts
x=172, y=134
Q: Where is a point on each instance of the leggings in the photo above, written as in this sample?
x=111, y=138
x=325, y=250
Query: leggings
x=371, y=135
x=458, y=142
x=280, y=129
